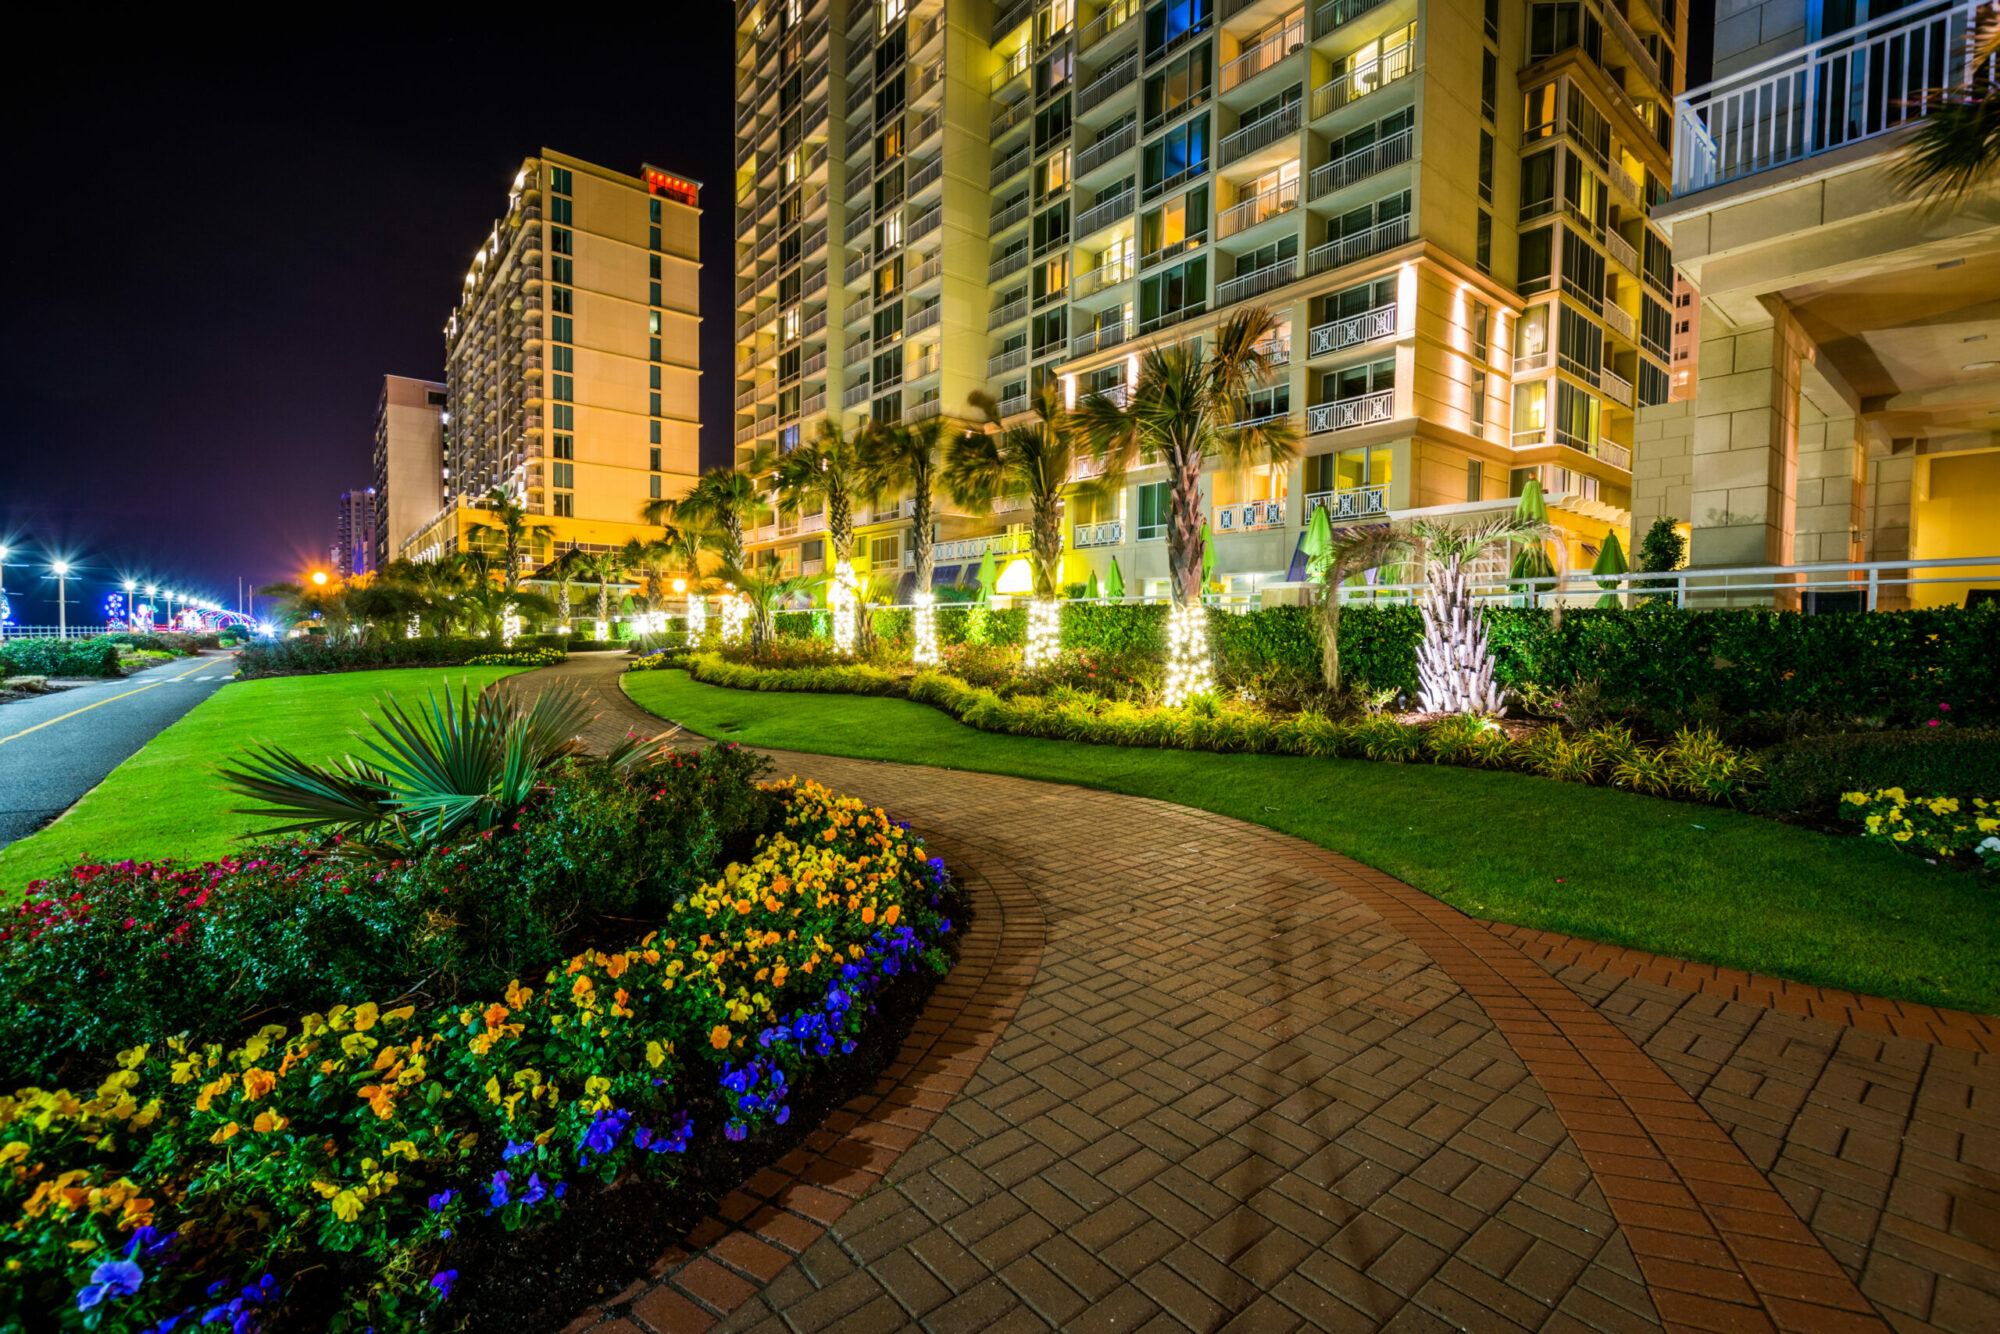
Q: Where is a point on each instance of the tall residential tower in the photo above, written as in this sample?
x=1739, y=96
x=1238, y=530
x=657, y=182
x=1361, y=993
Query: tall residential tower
x=409, y=461
x=571, y=363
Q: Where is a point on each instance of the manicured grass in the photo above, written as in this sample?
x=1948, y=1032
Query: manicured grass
x=164, y=800
x=1694, y=882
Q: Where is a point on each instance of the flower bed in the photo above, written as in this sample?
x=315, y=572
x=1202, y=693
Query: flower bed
x=1963, y=829
x=333, y=1171
x=526, y=657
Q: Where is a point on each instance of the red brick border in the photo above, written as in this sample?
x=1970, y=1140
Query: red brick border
x=762, y=1227
x=1906, y=1019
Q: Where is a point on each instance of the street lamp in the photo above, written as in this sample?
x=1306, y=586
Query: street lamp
x=319, y=577
x=131, y=612
x=3, y=590
x=61, y=571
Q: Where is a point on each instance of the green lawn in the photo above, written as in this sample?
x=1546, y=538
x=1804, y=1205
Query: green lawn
x=164, y=801
x=1690, y=881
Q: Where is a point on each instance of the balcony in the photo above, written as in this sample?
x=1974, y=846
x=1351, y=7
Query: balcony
x=857, y=269
x=1007, y=314
x=1107, y=149
x=1352, y=249
x=1339, y=335
x=815, y=240
x=1096, y=340
x=1352, y=502
x=1097, y=535
x=1349, y=88
x=1013, y=164
x=815, y=283
x=1346, y=413
x=1329, y=17
x=1011, y=214
x=1260, y=134
x=1011, y=68
x=927, y=222
x=1249, y=516
x=927, y=318
x=1013, y=407
x=1256, y=282
x=1619, y=321
x=924, y=411
x=1617, y=388
x=1258, y=208
x=1113, y=17
x=1105, y=212
x=1108, y=84
x=1103, y=276
x=1363, y=163
x=997, y=366
x=815, y=323
x=1621, y=250
x=748, y=398
x=1842, y=90
x=855, y=397
x=974, y=548
x=855, y=352
x=1642, y=59
x=926, y=127
x=1265, y=55
x=1010, y=263
x=924, y=272
x=1010, y=116
x=814, y=364
x=857, y=227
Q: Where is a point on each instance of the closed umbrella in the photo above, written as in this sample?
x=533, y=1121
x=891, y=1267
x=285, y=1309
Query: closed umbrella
x=1610, y=561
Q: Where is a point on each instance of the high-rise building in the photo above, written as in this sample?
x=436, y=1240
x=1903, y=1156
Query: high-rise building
x=409, y=461
x=1846, y=401
x=1446, y=205
x=353, y=550
x=571, y=363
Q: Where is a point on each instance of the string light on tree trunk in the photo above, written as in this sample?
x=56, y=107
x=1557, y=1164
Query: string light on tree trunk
x=735, y=611
x=926, y=630
x=603, y=630
x=840, y=600
x=1044, y=633
x=510, y=625
x=697, y=618
x=413, y=627
x=1188, y=674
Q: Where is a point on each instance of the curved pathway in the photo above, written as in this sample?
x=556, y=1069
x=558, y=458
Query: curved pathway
x=1199, y=1075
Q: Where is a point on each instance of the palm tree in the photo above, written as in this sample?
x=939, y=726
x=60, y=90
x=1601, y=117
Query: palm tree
x=716, y=506
x=827, y=470
x=896, y=457
x=765, y=586
x=653, y=563
x=1187, y=405
x=514, y=528
x=437, y=584
x=1956, y=145
x=565, y=567
x=1030, y=461
x=603, y=567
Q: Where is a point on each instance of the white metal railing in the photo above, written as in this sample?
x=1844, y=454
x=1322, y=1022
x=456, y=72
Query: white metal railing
x=1345, y=413
x=1013, y=261
x=1014, y=360
x=1265, y=54
x=853, y=397
x=1012, y=67
x=1247, y=516
x=1334, y=13
x=1351, y=502
x=1018, y=403
x=814, y=323
x=1338, y=335
x=1010, y=115
x=928, y=364
x=1616, y=317
x=1105, y=212
x=1260, y=207
x=1617, y=388
x=1108, y=84
x=1256, y=281
x=1113, y=17
x=813, y=405
x=925, y=175
x=748, y=398
x=923, y=411
x=1098, y=534
x=1260, y=133
x=812, y=523
x=972, y=548
x=1090, y=467
x=1346, y=89
x=1104, y=335
x=1350, y=249
x=1110, y=147
x=1104, y=275
x=929, y=221
x=855, y=352
x=1008, y=313
x=926, y=271
x=1014, y=162
x=815, y=283
x=1010, y=215
x=1621, y=250
x=1840, y=90
x=1363, y=162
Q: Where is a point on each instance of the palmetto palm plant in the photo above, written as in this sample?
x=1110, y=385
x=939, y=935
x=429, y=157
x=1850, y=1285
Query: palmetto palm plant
x=1031, y=461
x=514, y=529
x=826, y=469
x=653, y=564
x=766, y=587
x=460, y=765
x=1191, y=401
x=1956, y=145
x=898, y=457
x=600, y=567
x=717, y=505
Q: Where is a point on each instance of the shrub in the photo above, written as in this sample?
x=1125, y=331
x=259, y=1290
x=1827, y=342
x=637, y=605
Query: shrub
x=852, y=680
x=353, y=1157
x=1811, y=775
x=321, y=653
x=533, y=657
x=1959, y=827
x=58, y=657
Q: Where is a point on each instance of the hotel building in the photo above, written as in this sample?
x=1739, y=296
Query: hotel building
x=1847, y=389
x=1448, y=207
x=571, y=364
x=354, y=527
x=409, y=461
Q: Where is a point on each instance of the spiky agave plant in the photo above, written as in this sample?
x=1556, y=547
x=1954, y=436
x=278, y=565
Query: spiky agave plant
x=463, y=764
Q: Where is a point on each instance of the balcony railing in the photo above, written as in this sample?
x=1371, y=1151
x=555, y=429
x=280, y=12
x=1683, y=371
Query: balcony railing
x=1107, y=149
x=1249, y=516
x=815, y=240
x=1108, y=84
x=1266, y=54
x=1352, y=249
x=926, y=127
x=973, y=548
x=927, y=318
x=926, y=271
x=748, y=398
x=1841, y=90
x=815, y=283
x=1103, y=336
x=928, y=221
x=1621, y=250
x=1010, y=263
x=1113, y=17
x=1262, y=207
x=1007, y=314
x=855, y=396
x=1339, y=335
x=815, y=322
x=1011, y=214
x=1616, y=317
x=1363, y=163
x=923, y=411
x=1012, y=17
x=857, y=269
x=1257, y=281
x=814, y=364
x=1333, y=14
x=1260, y=134
x=1103, y=276
x=1346, y=413
x=814, y=405
x=1014, y=162
x=1005, y=119
x=1014, y=360
x=1011, y=68
x=1617, y=388
x=1009, y=407
x=1352, y=502
x=1097, y=534
x=1351, y=87
x=1106, y=211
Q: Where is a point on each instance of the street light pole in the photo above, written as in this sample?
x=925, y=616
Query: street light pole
x=3, y=591
x=61, y=569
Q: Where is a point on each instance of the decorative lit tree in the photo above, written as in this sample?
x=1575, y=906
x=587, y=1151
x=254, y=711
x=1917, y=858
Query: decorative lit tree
x=827, y=470
x=600, y=567
x=1032, y=461
x=763, y=589
x=514, y=530
x=898, y=457
x=1192, y=400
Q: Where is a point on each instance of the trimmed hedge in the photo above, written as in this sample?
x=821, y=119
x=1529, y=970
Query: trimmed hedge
x=312, y=654
x=1813, y=773
x=58, y=657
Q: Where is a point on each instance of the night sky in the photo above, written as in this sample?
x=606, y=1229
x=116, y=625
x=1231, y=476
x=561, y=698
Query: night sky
x=224, y=240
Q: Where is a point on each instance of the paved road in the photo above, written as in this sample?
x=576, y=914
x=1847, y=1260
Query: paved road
x=54, y=748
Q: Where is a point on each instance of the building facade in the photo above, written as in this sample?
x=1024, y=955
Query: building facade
x=571, y=363
x=409, y=461
x=354, y=534
x=1847, y=392
x=1447, y=205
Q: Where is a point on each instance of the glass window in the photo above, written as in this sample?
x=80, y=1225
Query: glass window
x=1537, y=260
x=1150, y=503
x=1538, y=184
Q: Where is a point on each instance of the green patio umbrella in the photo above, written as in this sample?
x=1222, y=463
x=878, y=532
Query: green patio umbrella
x=1610, y=561
x=1114, y=583
x=1092, y=591
x=1207, y=559
x=1317, y=542
x=1532, y=561
x=987, y=576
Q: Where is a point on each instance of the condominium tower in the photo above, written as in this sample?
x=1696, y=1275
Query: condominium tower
x=353, y=550
x=409, y=461
x=1446, y=205
x=571, y=363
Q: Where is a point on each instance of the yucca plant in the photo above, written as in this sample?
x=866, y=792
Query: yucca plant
x=464, y=764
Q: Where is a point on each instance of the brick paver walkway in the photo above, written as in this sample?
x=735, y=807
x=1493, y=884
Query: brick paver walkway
x=1198, y=1075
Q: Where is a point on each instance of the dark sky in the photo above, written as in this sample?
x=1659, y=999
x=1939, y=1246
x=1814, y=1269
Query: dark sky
x=224, y=238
